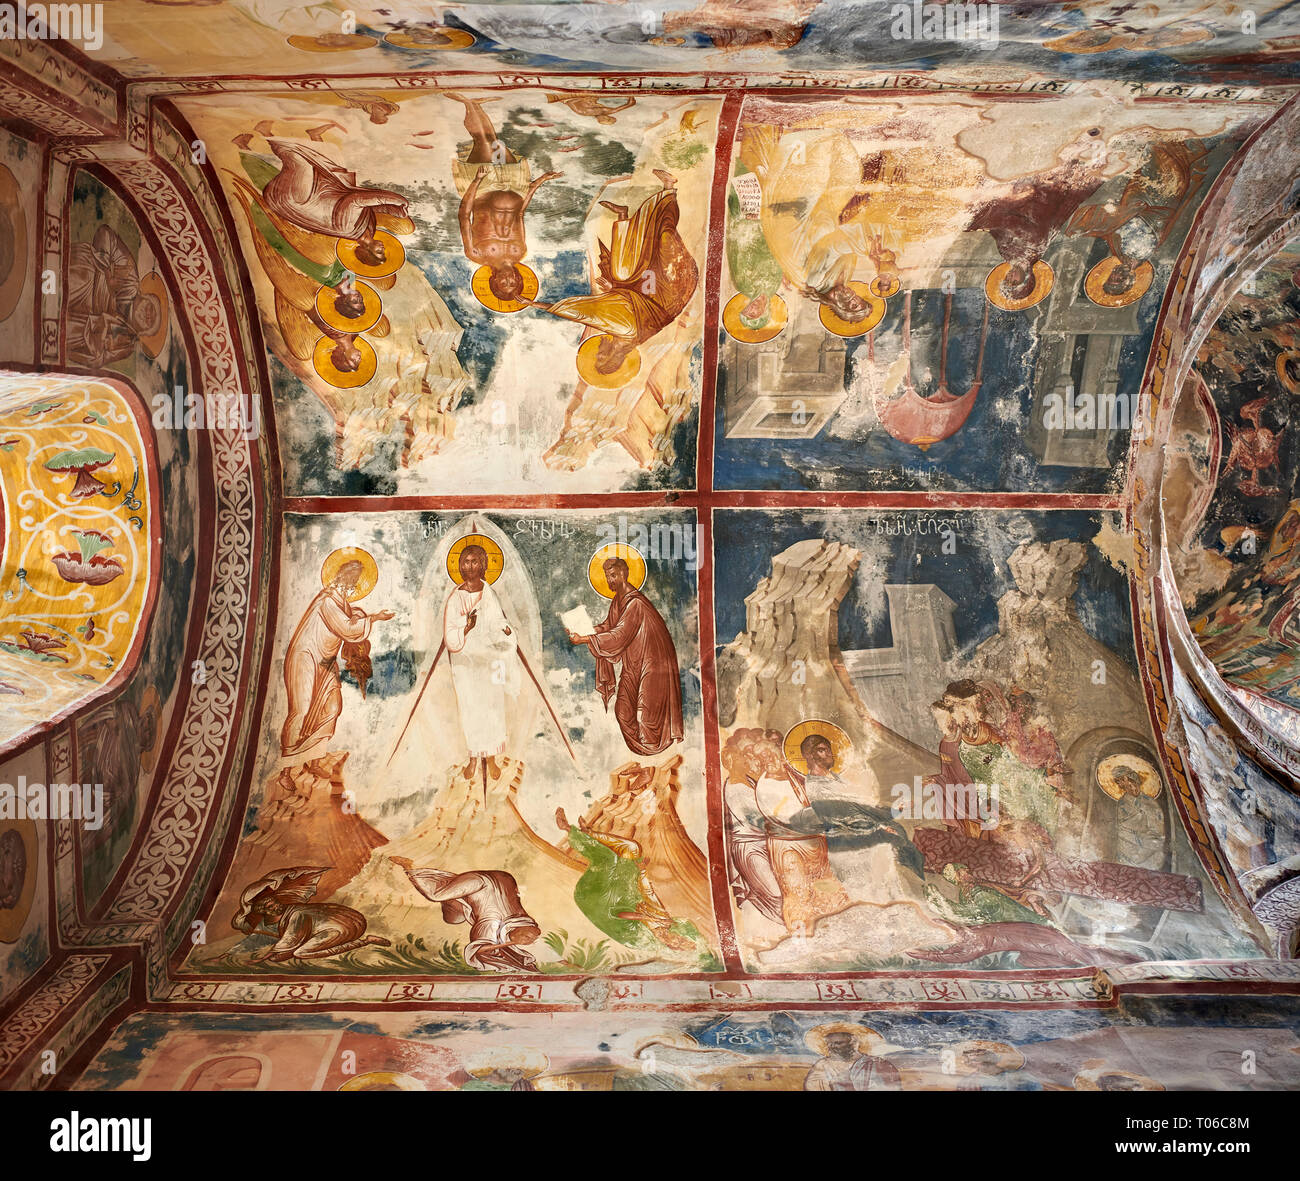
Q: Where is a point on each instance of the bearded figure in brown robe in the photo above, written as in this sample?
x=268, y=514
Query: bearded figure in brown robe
x=648, y=705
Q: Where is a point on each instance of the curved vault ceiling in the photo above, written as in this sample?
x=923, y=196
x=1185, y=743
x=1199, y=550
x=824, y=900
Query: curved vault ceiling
x=1237, y=585
x=917, y=385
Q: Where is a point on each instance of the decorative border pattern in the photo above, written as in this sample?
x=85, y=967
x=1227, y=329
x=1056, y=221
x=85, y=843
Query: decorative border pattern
x=712, y=81
x=74, y=1033
x=20, y=104
x=1074, y=987
x=22, y=1029
x=173, y=145
x=1048, y=987
x=179, y=816
x=61, y=75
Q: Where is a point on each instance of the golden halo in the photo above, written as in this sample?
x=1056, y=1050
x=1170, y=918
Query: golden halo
x=325, y=366
x=839, y=741
x=350, y=553
x=152, y=284
x=587, y=370
x=1090, y=1080
x=347, y=252
x=842, y=327
x=1089, y=41
x=1174, y=36
x=596, y=568
x=334, y=43
x=1110, y=766
x=1008, y=1057
x=883, y=289
x=451, y=38
x=865, y=1039
x=13, y=917
x=326, y=310
x=383, y=1078
x=521, y=1060
x=1093, y=285
x=1289, y=383
x=1043, y=280
x=736, y=328
x=13, y=280
x=483, y=293
x=496, y=560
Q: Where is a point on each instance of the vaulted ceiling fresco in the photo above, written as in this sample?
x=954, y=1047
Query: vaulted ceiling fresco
x=651, y=546
x=1239, y=576
x=1086, y=38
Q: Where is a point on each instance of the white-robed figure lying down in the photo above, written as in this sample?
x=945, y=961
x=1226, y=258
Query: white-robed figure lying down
x=484, y=665
x=488, y=900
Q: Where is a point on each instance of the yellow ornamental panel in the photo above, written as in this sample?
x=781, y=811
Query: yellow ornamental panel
x=78, y=481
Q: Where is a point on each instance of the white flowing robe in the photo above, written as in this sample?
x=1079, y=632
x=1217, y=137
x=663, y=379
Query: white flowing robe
x=484, y=668
x=311, y=672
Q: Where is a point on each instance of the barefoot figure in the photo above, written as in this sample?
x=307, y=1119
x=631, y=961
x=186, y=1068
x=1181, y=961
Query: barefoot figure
x=495, y=189
x=488, y=900
x=481, y=648
x=313, y=193
x=331, y=625
x=280, y=904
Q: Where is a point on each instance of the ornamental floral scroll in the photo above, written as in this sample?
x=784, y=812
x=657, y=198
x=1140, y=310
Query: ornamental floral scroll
x=78, y=540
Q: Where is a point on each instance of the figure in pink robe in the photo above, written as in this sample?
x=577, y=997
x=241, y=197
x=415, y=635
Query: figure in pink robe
x=311, y=673
x=488, y=900
x=649, y=702
x=313, y=193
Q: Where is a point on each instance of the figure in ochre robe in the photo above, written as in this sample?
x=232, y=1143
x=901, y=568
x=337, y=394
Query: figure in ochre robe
x=649, y=691
x=311, y=673
x=646, y=277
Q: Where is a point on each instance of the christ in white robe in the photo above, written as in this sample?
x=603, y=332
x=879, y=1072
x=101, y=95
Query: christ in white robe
x=484, y=665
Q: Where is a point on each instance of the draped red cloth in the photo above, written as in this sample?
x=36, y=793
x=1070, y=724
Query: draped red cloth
x=649, y=690
x=996, y=862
